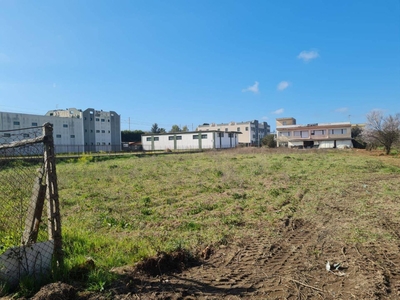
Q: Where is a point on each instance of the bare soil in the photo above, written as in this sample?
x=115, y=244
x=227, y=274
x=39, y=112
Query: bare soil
x=293, y=266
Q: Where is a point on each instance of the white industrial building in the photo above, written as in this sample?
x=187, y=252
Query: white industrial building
x=67, y=132
x=190, y=140
x=74, y=130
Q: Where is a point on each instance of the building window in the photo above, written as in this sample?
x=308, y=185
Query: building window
x=72, y=136
x=318, y=132
x=238, y=129
x=284, y=133
x=65, y=125
x=103, y=120
x=284, y=123
x=34, y=124
x=171, y=138
x=7, y=135
x=85, y=130
x=254, y=136
x=58, y=136
x=91, y=119
x=226, y=129
x=51, y=114
x=85, y=119
x=204, y=136
x=178, y=137
x=230, y=135
x=97, y=131
x=26, y=135
x=339, y=131
x=108, y=120
x=220, y=134
x=98, y=143
x=299, y=133
x=97, y=119
x=246, y=128
x=148, y=139
x=156, y=138
x=109, y=131
x=103, y=131
x=104, y=143
x=91, y=130
x=16, y=122
x=195, y=136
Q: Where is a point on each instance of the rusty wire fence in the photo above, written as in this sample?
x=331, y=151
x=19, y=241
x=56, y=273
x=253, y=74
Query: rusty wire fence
x=30, y=226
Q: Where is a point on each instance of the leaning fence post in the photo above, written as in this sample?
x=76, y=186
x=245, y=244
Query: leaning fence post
x=53, y=205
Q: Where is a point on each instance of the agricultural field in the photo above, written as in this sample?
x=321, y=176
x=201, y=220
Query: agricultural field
x=245, y=223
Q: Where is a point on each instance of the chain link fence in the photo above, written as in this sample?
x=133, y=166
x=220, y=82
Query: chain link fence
x=30, y=234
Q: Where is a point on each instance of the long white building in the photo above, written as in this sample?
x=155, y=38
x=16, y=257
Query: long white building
x=190, y=140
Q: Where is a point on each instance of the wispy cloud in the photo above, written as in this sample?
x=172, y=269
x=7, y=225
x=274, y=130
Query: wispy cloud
x=253, y=88
x=282, y=85
x=4, y=58
x=264, y=118
x=278, y=111
x=342, y=110
x=307, y=56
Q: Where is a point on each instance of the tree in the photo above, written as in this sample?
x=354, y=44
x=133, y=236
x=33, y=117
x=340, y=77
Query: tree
x=155, y=128
x=185, y=128
x=131, y=136
x=175, y=128
x=269, y=141
x=381, y=130
x=356, y=135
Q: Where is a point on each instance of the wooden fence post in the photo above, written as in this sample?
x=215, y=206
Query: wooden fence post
x=53, y=205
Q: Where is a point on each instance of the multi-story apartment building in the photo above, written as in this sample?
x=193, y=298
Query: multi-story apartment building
x=252, y=132
x=102, y=130
x=318, y=135
x=74, y=130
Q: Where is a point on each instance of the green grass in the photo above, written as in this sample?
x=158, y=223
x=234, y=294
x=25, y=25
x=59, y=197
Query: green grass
x=119, y=210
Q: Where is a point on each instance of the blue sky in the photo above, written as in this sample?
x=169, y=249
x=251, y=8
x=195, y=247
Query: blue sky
x=193, y=62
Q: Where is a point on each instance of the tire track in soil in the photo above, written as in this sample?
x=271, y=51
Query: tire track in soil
x=260, y=268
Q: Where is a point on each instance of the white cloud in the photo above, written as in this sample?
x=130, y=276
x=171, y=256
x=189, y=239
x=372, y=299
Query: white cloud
x=283, y=85
x=4, y=58
x=253, y=88
x=278, y=111
x=341, y=110
x=306, y=56
x=264, y=118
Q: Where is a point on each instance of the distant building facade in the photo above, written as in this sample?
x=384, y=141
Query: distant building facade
x=187, y=140
x=102, y=130
x=252, y=132
x=69, y=129
x=314, y=135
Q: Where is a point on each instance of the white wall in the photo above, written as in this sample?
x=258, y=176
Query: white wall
x=188, y=142
x=71, y=135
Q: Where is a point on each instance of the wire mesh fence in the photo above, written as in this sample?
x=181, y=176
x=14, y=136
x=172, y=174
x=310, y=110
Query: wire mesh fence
x=30, y=234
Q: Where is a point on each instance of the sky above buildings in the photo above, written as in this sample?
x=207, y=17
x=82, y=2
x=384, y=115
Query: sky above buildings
x=194, y=62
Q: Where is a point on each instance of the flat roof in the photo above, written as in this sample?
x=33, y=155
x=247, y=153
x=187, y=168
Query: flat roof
x=315, y=125
x=190, y=132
